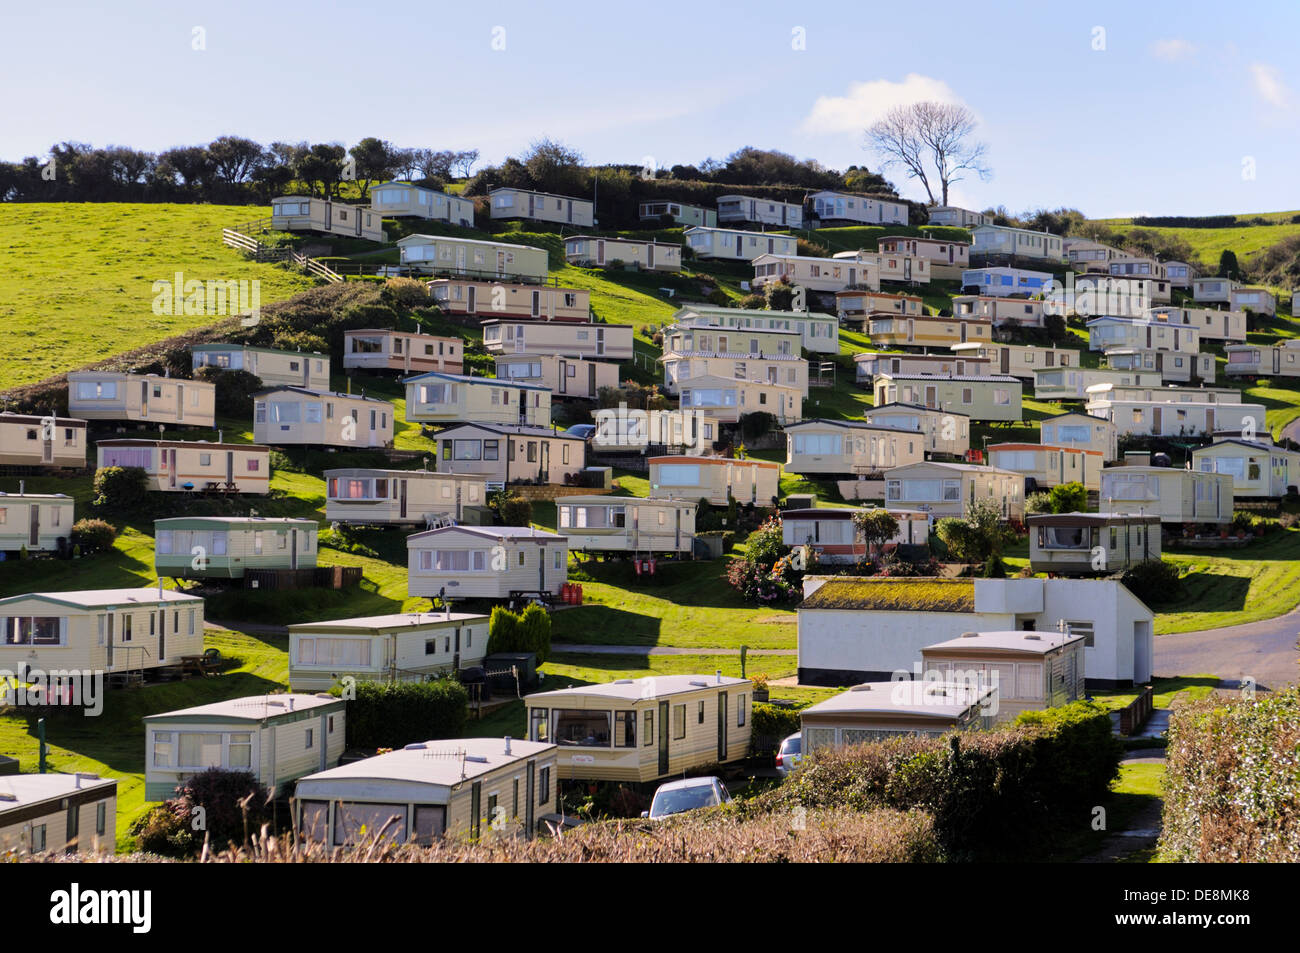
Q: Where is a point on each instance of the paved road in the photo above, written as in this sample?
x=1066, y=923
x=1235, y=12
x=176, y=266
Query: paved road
x=1265, y=651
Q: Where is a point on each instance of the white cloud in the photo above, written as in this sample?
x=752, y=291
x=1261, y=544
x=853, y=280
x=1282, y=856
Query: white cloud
x=1269, y=85
x=866, y=102
x=1173, y=50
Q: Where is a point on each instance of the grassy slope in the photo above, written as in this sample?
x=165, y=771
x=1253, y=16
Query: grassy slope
x=77, y=282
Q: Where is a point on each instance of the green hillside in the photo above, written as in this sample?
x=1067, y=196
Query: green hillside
x=78, y=278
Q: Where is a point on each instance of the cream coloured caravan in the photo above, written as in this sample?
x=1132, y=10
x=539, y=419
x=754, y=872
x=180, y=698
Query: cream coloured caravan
x=36, y=522
x=486, y=562
x=406, y=200
x=727, y=399
x=496, y=299
x=472, y=257
x=27, y=440
x=302, y=213
x=621, y=524
x=610, y=342
x=452, y=398
x=182, y=466
x=144, y=398
x=827, y=448
x=271, y=366
x=371, y=497
x=594, y=251
x=403, y=351
x=508, y=203
x=716, y=479
x=289, y=416
x=574, y=377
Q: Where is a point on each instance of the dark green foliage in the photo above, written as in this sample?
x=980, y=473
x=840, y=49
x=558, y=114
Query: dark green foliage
x=514, y=510
x=535, y=632
x=93, y=536
x=395, y=714
x=235, y=389
x=1154, y=581
x=503, y=632
x=1069, y=498
x=234, y=807
x=120, y=489
x=771, y=726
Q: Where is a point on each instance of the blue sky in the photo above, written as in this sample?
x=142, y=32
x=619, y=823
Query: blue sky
x=1161, y=119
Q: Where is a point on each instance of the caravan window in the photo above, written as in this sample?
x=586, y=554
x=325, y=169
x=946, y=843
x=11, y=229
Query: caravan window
x=33, y=630
x=575, y=727
x=679, y=474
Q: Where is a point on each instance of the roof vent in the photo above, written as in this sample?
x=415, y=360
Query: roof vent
x=970, y=635
x=624, y=681
x=507, y=744
x=699, y=683
x=860, y=688
x=1034, y=638
x=417, y=746
x=477, y=758
x=6, y=796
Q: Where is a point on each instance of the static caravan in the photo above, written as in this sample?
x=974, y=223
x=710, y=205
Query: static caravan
x=575, y=377
x=927, y=331
x=742, y=209
x=944, y=432
x=295, y=416
x=275, y=738
x=530, y=302
x=1254, y=299
x=956, y=217
x=1091, y=544
x=1073, y=383
x=1080, y=430
x=1172, y=366
x=1162, y=418
x=682, y=367
x=57, y=813
x=486, y=562
x=844, y=208
x=1258, y=470
x=820, y=331
x=1084, y=256
x=403, y=647
x=1211, y=324
x=510, y=454
x=619, y=524
x=727, y=400
x=593, y=251
x=815, y=274
x=1180, y=273
x=1255, y=360
x=858, y=306
x=874, y=711
x=738, y=244
x=1004, y=241
x=947, y=258
x=35, y=522
x=679, y=212
x=1126, y=266
x=611, y=342
x=1167, y=393
x=1214, y=290
x=369, y=497
x=99, y=630
x=27, y=440
x=1108, y=333
x=225, y=547
x=405, y=200
x=1002, y=282
x=871, y=363
x=271, y=366
x=716, y=479
x=1177, y=496
x=507, y=203
x=462, y=789
x=831, y=533
x=891, y=267
x=755, y=342
x=406, y=352
x=644, y=730
x=1018, y=360
x=1003, y=312
x=1030, y=670
x=996, y=397
x=143, y=398
x=476, y=258
x=1048, y=466
x=454, y=398
x=827, y=448
x=947, y=489
x=302, y=213
x=182, y=466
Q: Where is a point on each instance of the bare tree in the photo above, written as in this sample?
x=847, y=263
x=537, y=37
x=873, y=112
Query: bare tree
x=930, y=138
x=464, y=162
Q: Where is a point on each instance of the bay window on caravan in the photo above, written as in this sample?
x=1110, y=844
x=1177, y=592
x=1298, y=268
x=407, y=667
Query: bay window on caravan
x=679, y=474
x=822, y=444
x=924, y=490
x=454, y=560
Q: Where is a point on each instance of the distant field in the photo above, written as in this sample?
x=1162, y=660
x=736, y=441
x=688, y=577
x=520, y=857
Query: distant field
x=78, y=277
x=1210, y=243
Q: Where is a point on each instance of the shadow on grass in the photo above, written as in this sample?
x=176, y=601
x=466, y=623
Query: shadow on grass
x=1208, y=592
x=603, y=625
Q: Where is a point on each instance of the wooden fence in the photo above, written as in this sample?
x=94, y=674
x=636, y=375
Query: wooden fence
x=317, y=577
x=1135, y=714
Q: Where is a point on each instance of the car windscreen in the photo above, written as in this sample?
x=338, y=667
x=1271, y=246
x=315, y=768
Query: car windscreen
x=683, y=799
x=791, y=745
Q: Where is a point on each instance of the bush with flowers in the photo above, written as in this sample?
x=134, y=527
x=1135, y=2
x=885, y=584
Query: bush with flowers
x=770, y=570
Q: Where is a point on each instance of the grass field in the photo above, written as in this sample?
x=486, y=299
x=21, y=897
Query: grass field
x=1210, y=243
x=78, y=278
x=1261, y=583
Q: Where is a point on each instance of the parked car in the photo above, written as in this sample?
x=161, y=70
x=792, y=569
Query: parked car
x=585, y=431
x=789, y=754
x=691, y=794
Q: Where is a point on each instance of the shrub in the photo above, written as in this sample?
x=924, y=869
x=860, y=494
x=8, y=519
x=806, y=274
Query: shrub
x=404, y=293
x=503, y=632
x=234, y=806
x=93, y=536
x=234, y=390
x=1244, y=521
x=120, y=489
x=1154, y=581
x=514, y=510
x=535, y=631
x=1036, y=503
x=770, y=726
x=1069, y=498
x=395, y=714
x=1232, y=792
x=280, y=460
x=718, y=298
x=765, y=545
x=994, y=568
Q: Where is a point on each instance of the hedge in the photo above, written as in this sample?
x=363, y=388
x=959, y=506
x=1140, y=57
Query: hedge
x=994, y=795
x=395, y=714
x=770, y=726
x=1232, y=781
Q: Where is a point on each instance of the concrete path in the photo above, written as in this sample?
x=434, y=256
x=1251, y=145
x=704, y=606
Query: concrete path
x=1142, y=831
